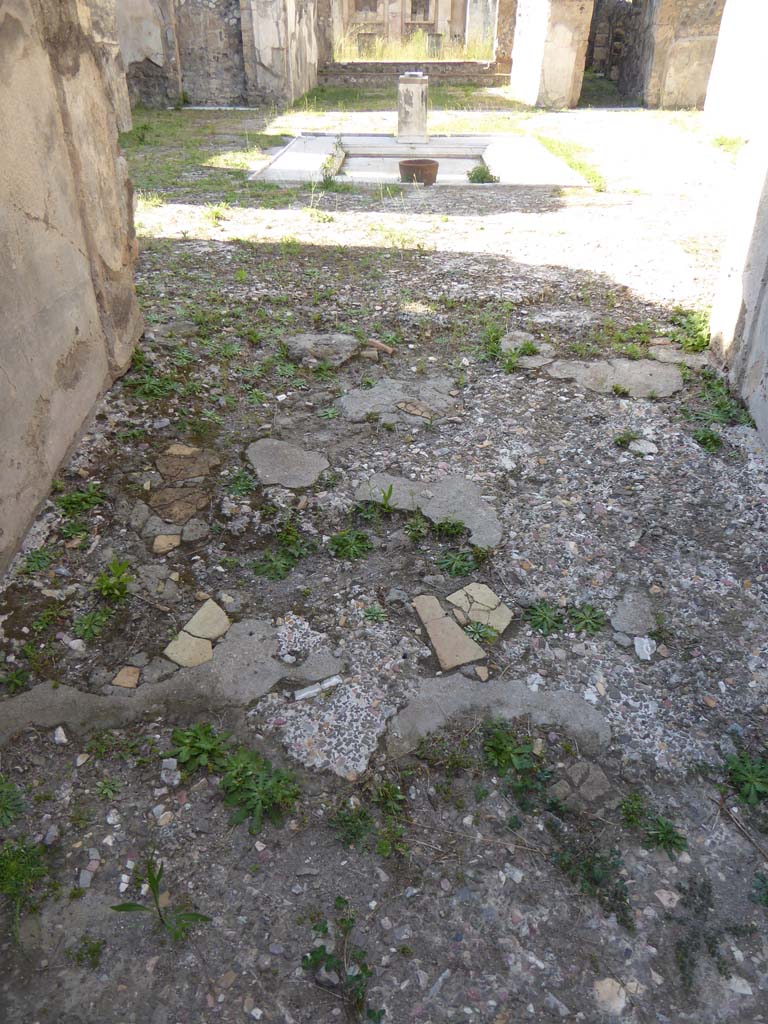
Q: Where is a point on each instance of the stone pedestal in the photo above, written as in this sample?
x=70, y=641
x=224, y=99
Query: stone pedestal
x=412, y=107
x=549, y=49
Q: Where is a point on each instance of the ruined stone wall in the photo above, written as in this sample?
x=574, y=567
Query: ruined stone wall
x=670, y=52
x=210, y=45
x=549, y=51
x=740, y=311
x=146, y=30
x=69, y=312
x=280, y=46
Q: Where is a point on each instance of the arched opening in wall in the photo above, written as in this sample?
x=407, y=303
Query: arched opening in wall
x=416, y=32
x=612, y=42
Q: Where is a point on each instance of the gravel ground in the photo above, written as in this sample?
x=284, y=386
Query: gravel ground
x=597, y=857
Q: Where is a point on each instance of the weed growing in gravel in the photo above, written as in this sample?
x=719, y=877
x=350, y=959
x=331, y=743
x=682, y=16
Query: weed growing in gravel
x=11, y=802
x=596, y=872
x=585, y=618
x=87, y=953
x=38, y=561
x=457, y=563
x=625, y=438
x=633, y=810
x=416, y=527
x=22, y=872
x=480, y=632
x=177, y=923
x=200, y=746
x=347, y=961
x=660, y=833
x=544, y=617
x=289, y=548
x=14, y=679
x=722, y=406
x=350, y=544
x=107, y=788
x=760, y=890
x=691, y=329
x=481, y=175
x=446, y=753
x=504, y=751
x=375, y=613
x=113, y=582
x=708, y=439
x=448, y=529
x=331, y=413
x=90, y=625
x=256, y=789
x=240, y=484
x=152, y=387
x=77, y=503
x=353, y=824
x=620, y=391
x=748, y=776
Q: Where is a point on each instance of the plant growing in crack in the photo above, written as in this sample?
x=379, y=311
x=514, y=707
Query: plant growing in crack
x=544, y=618
x=176, y=923
x=481, y=632
x=585, y=618
x=350, y=544
x=660, y=833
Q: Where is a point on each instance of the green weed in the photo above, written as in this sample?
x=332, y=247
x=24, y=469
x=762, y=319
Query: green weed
x=256, y=789
x=77, y=503
x=112, y=583
x=15, y=679
x=633, y=810
x=748, y=776
x=457, y=563
x=481, y=175
x=22, y=872
x=691, y=329
x=200, y=746
x=353, y=824
x=87, y=953
x=11, y=802
x=481, y=632
x=660, y=833
x=38, y=561
x=625, y=438
x=240, y=484
x=91, y=625
x=350, y=544
x=585, y=618
x=176, y=923
x=544, y=618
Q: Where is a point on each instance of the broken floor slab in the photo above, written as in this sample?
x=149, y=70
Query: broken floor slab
x=637, y=378
x=453, y=497
x=480, y=604
x=333, y=349
x=284, y=464
x=244, y=667
x=439, y=699
x=451, y=644
x=182, y=462
x=673, y=354
x=634, y=614
x=409, y=401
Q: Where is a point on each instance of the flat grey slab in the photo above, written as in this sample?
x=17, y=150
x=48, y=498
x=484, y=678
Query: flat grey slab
x=641, y=378
x=391, y=400
x=634, y=614
x=278, y=462
x=673, y=354
x=333, y=348
x=453, y=497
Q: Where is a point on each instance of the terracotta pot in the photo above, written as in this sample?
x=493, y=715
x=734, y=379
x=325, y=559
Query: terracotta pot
x=423, y=172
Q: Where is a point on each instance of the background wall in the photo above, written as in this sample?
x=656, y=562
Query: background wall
x=70, y=317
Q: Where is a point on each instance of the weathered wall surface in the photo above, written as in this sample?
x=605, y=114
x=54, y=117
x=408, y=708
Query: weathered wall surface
x=146, y=30
x=280, y=47
x=69, y=312
x=549, y=50
x=738, y=84
x=210, y=44
x=740, y=311
x=670, y=52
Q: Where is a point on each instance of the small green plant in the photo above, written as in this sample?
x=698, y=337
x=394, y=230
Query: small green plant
x=625, y=438
x=457, y=563
x=256, y=789
x=22, y=872
x=691, y=329
x=240, y=484
x=760, y=889
x=620, y=391
x=504, y=751
x=633, y=810
x=331, y=413
x=386, y=500
x=11, y=802
x=77, y=503
x=15, y=679
x=416, y=527
x=177, y=923
x=481, y=175
x=660, y=833
x=112, y=583
x=748, y=776
x=597, y=873
x=107, y=788
x=353, y=824
x=277, y=563
x=200, y=746
x=38, y=561
x=90, y=625
x=481, y=632
x=585, y=618
x=544, y=617
x=446, y=753
x=350, y=544
x=375, y=613
x=87, y=953
x=707, y=439
x=448, y=529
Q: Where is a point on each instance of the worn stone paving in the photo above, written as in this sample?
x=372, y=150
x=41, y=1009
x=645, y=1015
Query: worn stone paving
x=367, y=492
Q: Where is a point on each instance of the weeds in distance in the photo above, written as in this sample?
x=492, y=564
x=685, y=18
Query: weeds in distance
x=481, y=175
x=596, y=872
x=11, y=802
x=544, y=618
x=625, y=438
x=691, y=329
x=707, y=439
x=375, y=613
x=112, y=583
x=620, y=391
x=77, y=503
x=633, y=810
x=177, y=923
x=448, y=529
x=416, y=528
x=240, y=484
x=353, y=824
x=277, y=563
x=37, y=561
x=445, y=753
x=22, y=872
x=350, y=544
x=660, y=833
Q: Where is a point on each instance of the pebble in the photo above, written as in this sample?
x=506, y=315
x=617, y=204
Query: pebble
x=60, y=737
